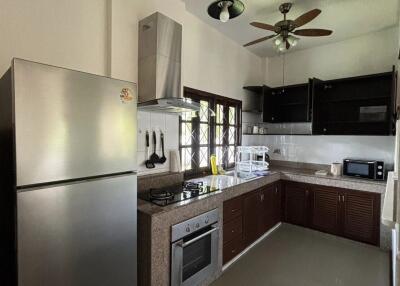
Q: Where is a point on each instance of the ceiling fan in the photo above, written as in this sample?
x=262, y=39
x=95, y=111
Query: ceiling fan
x=283, y=29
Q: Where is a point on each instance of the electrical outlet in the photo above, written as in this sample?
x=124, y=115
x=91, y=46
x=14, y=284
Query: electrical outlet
x=277, y=151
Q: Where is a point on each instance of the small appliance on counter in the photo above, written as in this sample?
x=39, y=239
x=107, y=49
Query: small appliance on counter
x=367, y=169
x=177, y=193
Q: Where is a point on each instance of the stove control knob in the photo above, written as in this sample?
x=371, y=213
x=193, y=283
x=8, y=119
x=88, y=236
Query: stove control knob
x=206, y=221
x=187, y=229
x=197, y=225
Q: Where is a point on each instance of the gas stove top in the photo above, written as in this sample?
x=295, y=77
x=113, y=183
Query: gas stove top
x=177, y=193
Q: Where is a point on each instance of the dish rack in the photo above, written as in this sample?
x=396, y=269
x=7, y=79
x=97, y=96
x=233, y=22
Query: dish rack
x=251, y=159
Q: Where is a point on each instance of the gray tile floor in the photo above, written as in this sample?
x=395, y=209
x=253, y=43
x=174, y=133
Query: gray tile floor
x=297, y=256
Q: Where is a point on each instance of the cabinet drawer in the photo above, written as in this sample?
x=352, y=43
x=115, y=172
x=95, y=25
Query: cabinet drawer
x=233, y=229
x=232, y=209
x=232, y=249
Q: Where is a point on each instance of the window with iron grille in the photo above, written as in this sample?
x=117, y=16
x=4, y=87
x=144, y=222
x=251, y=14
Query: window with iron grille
x=204, y=133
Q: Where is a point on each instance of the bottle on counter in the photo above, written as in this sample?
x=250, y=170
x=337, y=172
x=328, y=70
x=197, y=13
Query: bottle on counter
x=213, y=161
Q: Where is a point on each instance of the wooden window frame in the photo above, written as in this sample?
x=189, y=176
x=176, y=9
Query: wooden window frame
x=213, y=100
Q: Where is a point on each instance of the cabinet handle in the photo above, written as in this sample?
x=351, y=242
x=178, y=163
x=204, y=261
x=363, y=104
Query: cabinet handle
x=307, y=192
x=233, y=210
x=232, y=231
x=233, y=251
x=276, y=190
x=343, y=198
x=339, y=198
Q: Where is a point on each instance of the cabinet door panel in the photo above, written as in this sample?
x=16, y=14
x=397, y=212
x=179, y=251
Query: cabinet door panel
x=361, y=216
x=325, y=210
x=267, y=211
x=295, y=204
x=277, y=204
x=251, y=218
x=232, y=230
x=232, y=248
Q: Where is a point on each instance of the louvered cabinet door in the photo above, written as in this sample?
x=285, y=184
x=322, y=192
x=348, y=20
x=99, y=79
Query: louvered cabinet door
x=361, y=216
x=325, y=210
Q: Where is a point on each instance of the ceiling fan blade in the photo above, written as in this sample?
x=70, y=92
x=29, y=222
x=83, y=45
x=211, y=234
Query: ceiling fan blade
x=306, y=17
x=263, y=26
x=259, y=40
x=312, y=32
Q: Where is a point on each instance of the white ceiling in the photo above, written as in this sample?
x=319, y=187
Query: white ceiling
x=347, y=19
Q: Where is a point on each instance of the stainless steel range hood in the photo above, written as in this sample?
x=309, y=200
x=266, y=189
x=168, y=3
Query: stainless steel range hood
x=160, y=51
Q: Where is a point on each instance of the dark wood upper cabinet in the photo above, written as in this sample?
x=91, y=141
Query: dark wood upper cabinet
x=287, y=104
x=361, y=105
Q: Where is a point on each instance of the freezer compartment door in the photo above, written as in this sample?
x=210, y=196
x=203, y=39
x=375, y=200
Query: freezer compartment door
x=82, y=234
x=70, y=124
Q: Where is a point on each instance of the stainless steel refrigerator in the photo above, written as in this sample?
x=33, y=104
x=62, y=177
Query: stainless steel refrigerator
x=68, y=177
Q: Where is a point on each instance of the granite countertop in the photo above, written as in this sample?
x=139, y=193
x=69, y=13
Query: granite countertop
x=230, y=186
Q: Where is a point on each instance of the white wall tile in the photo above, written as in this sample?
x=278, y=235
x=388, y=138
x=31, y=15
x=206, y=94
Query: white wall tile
x=150, y=121
x=328, y=149
x=143, y=125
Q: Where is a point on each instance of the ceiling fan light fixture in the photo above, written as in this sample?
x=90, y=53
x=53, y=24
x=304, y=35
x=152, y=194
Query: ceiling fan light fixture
x=292, y=40
x=278, y=40
x=225, y=10
x=224, y=15
x=282, y=47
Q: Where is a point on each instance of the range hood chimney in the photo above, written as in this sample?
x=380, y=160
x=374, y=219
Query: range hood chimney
x=160, y=50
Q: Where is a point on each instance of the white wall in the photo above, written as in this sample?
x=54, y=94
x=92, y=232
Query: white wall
x=371, y=53
x=101, y=36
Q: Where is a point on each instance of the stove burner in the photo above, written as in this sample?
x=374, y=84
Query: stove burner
x=176, y=193
x=157, y=194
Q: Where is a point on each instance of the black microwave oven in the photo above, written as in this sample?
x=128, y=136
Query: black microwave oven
x=367, y=169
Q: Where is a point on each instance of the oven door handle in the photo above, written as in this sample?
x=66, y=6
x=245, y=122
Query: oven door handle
x=187, y=243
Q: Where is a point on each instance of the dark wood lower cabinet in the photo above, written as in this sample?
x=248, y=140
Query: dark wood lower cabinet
x=296, y=203
x=325, y=210
x=348, y=213
x=361, y=212
x=248, y=217
x=253, y=217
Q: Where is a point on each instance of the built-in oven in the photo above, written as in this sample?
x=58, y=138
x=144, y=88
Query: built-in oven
x=194, y=249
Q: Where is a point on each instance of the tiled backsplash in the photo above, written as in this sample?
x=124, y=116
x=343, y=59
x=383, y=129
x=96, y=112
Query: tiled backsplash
x=167, y=123
x=325, y=149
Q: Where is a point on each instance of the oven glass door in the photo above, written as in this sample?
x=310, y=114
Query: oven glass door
x=196, y=256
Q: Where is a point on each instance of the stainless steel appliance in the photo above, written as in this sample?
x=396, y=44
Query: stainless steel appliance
x=194, y=250
x=176, y=193
x=69, y=185
x=367, y=169
x=160, y=53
